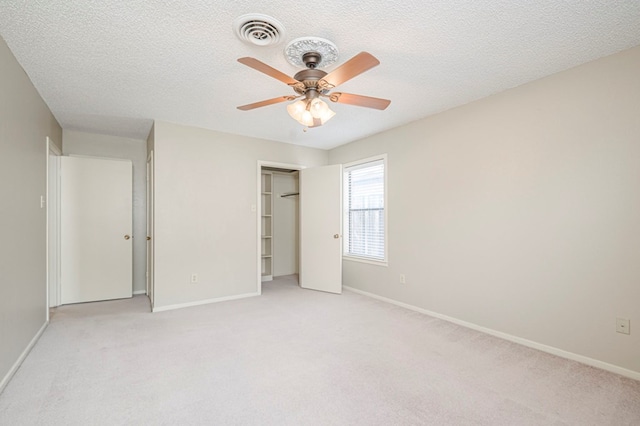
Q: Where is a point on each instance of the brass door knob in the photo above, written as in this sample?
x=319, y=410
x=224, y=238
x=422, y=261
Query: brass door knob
x=148, y=238
x=336, y=236
x=126, y=237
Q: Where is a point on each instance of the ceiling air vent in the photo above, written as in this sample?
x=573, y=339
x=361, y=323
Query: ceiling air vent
x=261, y=30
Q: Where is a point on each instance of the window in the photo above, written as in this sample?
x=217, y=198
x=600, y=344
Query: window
x=364, y=210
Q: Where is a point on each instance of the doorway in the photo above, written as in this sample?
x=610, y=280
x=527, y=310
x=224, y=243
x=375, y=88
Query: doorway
x=53, y=224
x=278, y=221
x=318, y=228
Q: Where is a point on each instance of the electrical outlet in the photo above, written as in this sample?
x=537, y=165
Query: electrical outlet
x=622, y=326
x=403, y=279
x=194, y=278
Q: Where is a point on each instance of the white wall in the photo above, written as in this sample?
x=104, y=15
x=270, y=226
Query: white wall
x=90, y=144
x=521, y=212
x=285, y=224
x=205, y=185
x=25, y=122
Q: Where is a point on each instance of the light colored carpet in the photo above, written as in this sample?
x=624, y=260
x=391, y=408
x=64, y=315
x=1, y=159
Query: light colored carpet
x=297, y=357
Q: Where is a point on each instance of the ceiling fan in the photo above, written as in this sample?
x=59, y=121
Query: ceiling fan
x=313, y=84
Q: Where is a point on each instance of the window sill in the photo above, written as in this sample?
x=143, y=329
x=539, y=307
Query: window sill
x=365, y=260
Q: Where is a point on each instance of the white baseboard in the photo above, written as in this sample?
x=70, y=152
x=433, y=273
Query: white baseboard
x=21, y=358
x=135, y=293
x=202, y=302
x=535, y=345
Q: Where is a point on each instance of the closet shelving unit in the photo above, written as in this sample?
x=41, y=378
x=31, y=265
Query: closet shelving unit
x=267, y=226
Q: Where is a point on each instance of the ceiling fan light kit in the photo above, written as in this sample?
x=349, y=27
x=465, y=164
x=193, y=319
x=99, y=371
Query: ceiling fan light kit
x=310, y=112
x=312, y=83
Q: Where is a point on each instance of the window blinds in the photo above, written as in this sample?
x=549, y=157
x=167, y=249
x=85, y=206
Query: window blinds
x=364, y=210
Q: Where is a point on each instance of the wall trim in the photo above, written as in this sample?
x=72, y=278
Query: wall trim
x=7, y=378
x=137, y=292
x=203, y=302
x=515, y=339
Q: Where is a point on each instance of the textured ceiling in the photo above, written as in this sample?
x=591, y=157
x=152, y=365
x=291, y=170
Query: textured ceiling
x=114, y=66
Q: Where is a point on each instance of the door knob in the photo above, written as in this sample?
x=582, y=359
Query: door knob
x=148, y=238
x=336, y=236
x=126, y=237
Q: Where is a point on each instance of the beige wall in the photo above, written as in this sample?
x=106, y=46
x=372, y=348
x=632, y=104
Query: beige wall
x=521, y=212
x=205, y=185
x=91, y=144
x=25, y=122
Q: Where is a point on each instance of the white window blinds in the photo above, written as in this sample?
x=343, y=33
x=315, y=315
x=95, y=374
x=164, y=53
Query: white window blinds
x=364, y=210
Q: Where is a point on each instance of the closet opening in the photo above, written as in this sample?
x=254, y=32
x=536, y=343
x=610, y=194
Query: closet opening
x=278, y=223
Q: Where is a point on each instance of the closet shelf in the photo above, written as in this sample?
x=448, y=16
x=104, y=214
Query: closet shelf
x=266, y=225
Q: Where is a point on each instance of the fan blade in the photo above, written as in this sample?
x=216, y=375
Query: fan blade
x=359, y=100
x=265, y=103
x=266, y=69
x=360, y=63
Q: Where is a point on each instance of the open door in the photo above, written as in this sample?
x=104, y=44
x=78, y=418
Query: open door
x=96, y=224
x=150, y=216
x=321, y=228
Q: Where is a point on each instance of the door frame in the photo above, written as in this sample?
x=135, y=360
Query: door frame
x=53, y=215
x=258, y=211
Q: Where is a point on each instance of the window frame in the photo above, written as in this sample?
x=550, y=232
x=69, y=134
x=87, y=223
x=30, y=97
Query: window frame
x=345, y=207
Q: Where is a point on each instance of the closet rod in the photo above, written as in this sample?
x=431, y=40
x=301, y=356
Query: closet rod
x=290, y=194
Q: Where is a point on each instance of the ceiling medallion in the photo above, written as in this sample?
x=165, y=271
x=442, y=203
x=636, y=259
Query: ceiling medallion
x=298, y=47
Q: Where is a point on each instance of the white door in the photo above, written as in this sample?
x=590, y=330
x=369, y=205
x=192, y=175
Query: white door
x=321, y=228
x=150, y=216
x=96, y=224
